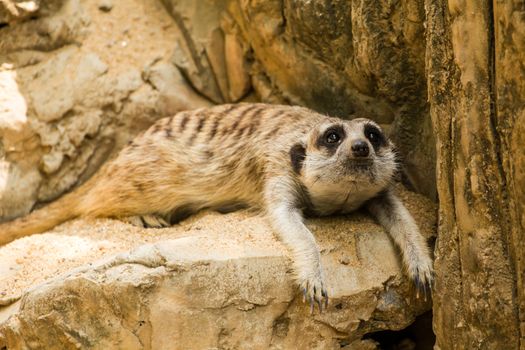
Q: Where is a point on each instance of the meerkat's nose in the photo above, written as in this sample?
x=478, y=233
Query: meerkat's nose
x=360, y=148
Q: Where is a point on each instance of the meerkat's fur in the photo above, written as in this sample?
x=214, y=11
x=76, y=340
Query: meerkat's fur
x=284, y=160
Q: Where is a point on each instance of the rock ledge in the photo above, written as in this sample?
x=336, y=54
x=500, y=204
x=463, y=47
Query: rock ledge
x=215, y=281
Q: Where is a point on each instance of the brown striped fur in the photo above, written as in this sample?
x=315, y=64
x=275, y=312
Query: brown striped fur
x=160, y=169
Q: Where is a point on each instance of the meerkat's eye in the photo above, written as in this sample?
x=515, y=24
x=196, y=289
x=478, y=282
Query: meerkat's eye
x=374, y=135
x=332, y=137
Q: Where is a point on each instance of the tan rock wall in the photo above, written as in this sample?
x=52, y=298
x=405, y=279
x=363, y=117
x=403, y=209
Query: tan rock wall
x=476, y=105
x=509, y=55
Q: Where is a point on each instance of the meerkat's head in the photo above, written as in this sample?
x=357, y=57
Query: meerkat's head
x=345, y=152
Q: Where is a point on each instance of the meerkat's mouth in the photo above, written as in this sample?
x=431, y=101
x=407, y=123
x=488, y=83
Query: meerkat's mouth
x=360, y=166
x=353, y=162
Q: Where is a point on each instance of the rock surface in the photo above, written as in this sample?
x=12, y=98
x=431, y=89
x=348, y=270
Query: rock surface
x=477, y=105
x=77, y=82
x=214, y=281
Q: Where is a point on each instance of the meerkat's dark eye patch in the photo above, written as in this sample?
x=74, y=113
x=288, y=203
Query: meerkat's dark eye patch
x=297, y=155
x=375, y=136
x=332, y=137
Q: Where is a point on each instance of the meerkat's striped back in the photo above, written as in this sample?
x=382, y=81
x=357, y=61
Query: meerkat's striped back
x=208, y=157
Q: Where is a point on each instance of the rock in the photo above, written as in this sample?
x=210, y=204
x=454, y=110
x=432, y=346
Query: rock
x=214, y=281
x=174, y=95
x=479, y=120
x=11, y=10
x=236, y=60
x=86, y=124
x=46, y=108
x=196, y=53
x=367, y=344
x=52, y=161
x=216, y=57
x=13, y=107
x=59, y=83
x=68, y=100
x=19, y=189
x=199, y=73
x=89, y=68
x=68, y=174
x=55, y=24
x=18, y=180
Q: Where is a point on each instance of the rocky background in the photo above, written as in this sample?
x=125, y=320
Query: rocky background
x=79, y=79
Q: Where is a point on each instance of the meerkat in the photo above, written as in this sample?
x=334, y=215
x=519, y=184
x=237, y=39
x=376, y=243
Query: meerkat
x=286, y=160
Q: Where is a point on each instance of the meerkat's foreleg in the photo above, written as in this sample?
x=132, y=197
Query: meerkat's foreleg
x=395, y=218
x=287, y=221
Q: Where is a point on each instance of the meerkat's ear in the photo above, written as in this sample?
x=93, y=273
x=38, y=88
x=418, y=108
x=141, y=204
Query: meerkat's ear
x=297, y=155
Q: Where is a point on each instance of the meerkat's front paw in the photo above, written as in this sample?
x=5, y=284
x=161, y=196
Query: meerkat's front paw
x=422, y=273
x=313, y=288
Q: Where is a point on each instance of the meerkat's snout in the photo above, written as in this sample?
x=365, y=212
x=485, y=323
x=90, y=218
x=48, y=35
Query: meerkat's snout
x=360, y=149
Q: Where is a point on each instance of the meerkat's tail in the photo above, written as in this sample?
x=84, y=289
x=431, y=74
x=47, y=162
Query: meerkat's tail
x=40, y=220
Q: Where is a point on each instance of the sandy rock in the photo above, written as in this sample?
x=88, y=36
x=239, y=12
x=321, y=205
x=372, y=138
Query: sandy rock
x=214, y=281
x=19, y=189
x=174, y=94
x=60, y=83
x=211, y=52
x=72, y=92
x=86, y=124
x=366, y=344
x=238, y=77
x=236, y=59
x=197, y=55
x=199, y=72
x=68, y=174
x=13, y=107
x=52, y=161
x=15, y=10
x=19, y=182
x=55, y=24
x=50, y=80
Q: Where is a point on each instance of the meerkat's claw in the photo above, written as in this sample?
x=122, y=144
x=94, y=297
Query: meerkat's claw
x=431, y=281
x=421, y=287
x=147, y=221
x=320, y=305
x=304, y=295
x=324, y=294
x=422, y=277
x=154, y=221
x=315, y=295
